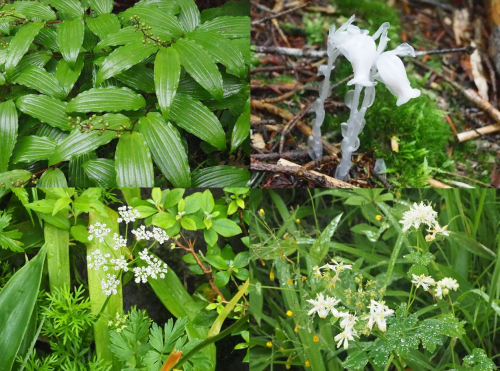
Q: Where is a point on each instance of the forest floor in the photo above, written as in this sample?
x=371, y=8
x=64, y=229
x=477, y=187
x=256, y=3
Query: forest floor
x=446, y=138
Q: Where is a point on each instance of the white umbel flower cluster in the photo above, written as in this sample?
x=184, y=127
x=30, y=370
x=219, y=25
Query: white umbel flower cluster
x=423, y=280
x=120, y=263
x=98, y=231
x=127, y=214
x=157, y=234
x=160, y=235
x=423, y=214
x=120, y=242
x=378, y=314
x=155, y=268
x=97, y=260
x=110, y=284
x=348, y=333
x=444, y=286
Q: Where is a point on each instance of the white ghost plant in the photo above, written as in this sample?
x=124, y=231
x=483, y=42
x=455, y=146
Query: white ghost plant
x=370, y=62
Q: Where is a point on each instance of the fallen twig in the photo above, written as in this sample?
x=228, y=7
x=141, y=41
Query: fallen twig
x=265, y=19
x=288, y=127
x=320, y=161
x=292, y=155
x=380, y=178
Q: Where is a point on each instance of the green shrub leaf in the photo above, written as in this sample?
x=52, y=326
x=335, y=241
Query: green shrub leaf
x=110, y=99
x=102, y=172
x=10, y=178
x=34, y=9
x=104, y=25
x=190, y=15
x=33, y=148
x=53, y=178
x=37, y=78
x=167, y=73
x=49, y=110
x=241, y=129
x=134, y=166
x=220, y=176
x=69, y=8
x=8, y=132
x=230, y=27
x=20, y=44
x=70, y=39
x=101, y=6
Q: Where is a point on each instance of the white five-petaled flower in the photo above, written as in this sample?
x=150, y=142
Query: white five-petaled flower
x=337, y=267
x=317, y=272
x=348, y=333
x=324, y=305
x=444, y=286
x=378, y=314
x=423, y=280
x=128, y=214
x=417, y=215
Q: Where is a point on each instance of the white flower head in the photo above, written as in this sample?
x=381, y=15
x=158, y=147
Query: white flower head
x=444, y=286
x=160, y=235
x=110, y=284
x=337, y=267
x=361, y=51
x=120, y=242
x=417, y=215
x=128, y=214
x=317, y=272
x=120, y=263
x=142, y=234
x=323, y=305
x=155, y=268
x=378, y=314
x=423, y=280
x=98, y=231
x=97, y=260
x=345, y=336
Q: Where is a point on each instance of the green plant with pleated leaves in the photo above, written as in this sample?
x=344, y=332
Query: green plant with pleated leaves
x=153, y=95
x=351, y=280
x=80, y=317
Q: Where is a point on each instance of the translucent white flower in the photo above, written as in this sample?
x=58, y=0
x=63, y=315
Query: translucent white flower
x=417, y=215
x=120, y=263
x=444, y=286
x=361, y=51
x=423, y=280
x=392, y=72
x=337, y=267
x=120, y=242
x=110, y=284
x=378, y=314
x=97, y=260
x=323, y=305
x=142, y=234
x=160, y=235
x=98, y=231
x=128, y=214
x=155, y=268
x=345, y=336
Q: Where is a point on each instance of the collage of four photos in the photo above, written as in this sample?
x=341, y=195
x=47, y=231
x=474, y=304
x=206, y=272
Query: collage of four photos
x=249, y=185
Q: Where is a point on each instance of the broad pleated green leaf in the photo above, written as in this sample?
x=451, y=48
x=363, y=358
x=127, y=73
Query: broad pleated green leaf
x=76, y=174
x=102, y=172
x=139, y=77
x=67, y=75
x=165, y=144
x=220, y=176
x=39, y=59
x=34, y=9
x=197, y=119
x=69, y=8
x=70, y=39
x=20, y=44
x=167, y=74
x=241, y=129
x=37, y=78
x=53, y=133
x=17, y=301
x=190, y=15
x=77, y=143
x=221, y=50
x=49, y=110
x=200, y=66
x=230, y=27
x=48, y=38
x=104, y=25
x=33, y=148
x=110, y=99
x=127, y=35
x=134, y=166
x=8, y=132
x=101, y=6
x=10, y=178
x=163, y=25
x=122, y=59
x=53, y=178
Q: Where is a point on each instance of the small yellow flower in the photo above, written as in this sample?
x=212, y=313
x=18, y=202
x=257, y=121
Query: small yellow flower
x=282, y=349
x=308, y=364
x=289, y=313
x=288, y=366
x=378, y=217
x=304, y=278
x=316, y=338
x=285, y=236
x=269, y=344
x=262, y=213
x=271, y=276
x=262, y=262
x=290, y=281
x=296, y=329
x=297, y=221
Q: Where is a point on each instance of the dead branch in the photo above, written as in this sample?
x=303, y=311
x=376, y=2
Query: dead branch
x=292, y=155
x=265, y=19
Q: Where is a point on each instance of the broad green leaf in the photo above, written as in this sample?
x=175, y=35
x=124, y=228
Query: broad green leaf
x=207, y=201
x=356, y=361
x=102, y=172
x=320, y=248
x=53, y=133
x=188, y=224
x=163, y=25
x=20, y=44
x=11, y=179
x=167, y=74
x=37, y=78
x=241, y=129
x=49, y=110
x=8, y=132
x=193, y=203
x=221, y=50
x=173, y=197
x=78, y=143
x=34, y=9
x=230, y=27
x=104, y=25
x=225, y=227
x=101, y=6
x=127, y=35
x=164, y=220
x=222, y=278
x=70, y=39
x=479, y=361
x=122, y=59
x=134, y=167
x=199, y=64
x=53, y=178
x=69, y=8
x=220, y=176
x=67, y=75
x=43, y=206
x=39, y=59
x=17, y=301
x=232, y=8
x=48, y=38
x=194, y=117
x=138, y=77
x=110, y=99
x=33, y=148
x=76, y=174
x=165, y=144
x=216, y=261
x=190, y=15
